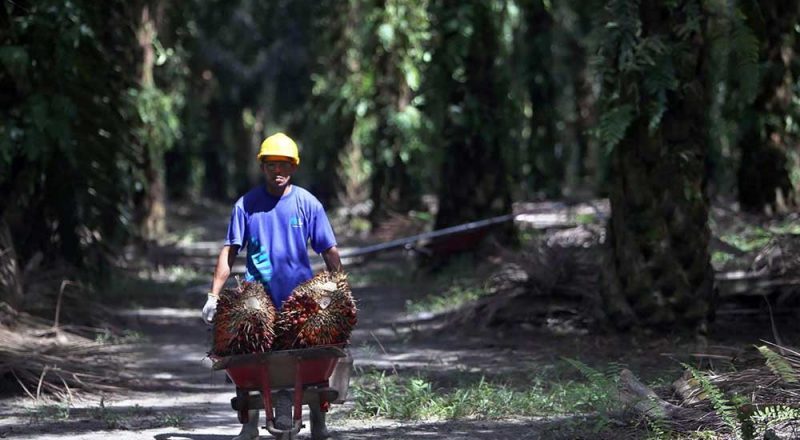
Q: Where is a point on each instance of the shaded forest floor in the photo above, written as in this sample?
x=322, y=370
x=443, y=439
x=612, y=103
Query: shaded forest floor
x=524, y=380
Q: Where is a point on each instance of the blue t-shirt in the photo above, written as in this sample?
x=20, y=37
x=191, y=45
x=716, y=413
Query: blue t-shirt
x=275, y=232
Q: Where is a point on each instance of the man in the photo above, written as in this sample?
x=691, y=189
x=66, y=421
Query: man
x=275, y=222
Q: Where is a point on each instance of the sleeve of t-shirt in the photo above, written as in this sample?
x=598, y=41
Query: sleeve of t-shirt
x=236, y=227
x=321, y=232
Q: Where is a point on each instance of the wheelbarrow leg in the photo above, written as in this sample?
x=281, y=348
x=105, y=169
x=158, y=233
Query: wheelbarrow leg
x=298, y=395
x=266, y=395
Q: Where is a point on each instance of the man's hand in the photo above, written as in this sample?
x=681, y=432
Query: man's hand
x=210, y=309
x=227, y=257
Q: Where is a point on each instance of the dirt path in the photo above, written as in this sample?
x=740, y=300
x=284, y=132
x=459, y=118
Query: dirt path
x=177, y=396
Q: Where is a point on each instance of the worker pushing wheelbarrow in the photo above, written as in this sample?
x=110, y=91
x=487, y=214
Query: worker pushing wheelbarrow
x=276, y=222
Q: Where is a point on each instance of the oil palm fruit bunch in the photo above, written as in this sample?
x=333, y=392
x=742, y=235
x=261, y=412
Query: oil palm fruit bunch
x=320, y=311
x=245, y=321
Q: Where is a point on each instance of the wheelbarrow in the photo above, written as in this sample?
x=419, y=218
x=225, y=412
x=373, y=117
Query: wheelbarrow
x=306, y=372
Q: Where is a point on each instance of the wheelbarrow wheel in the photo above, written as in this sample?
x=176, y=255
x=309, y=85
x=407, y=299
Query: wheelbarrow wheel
x=319, y=429
x=283, y=409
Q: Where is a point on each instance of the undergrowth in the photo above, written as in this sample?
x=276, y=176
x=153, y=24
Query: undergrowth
x=742, y=419
x=393, y=396
x=451, y=298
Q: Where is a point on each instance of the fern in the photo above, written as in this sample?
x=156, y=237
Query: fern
x=594, y=376
x=602, y=385
x=778, y=364
x=657, y=430
x=765, y=418
x=613, y=124
x=724, y=407
x=744, y=45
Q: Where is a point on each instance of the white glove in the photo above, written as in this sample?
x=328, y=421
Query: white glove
x=210, y=309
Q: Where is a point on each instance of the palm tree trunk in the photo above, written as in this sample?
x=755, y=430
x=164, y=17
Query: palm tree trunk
x=658, y=236
x=474, y=171
x=152, y=206
x=763, y=177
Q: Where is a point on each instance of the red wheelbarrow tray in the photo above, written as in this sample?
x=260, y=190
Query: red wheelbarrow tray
x=303, y=369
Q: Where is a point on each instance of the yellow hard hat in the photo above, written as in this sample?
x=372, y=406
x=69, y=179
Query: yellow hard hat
x=279, y=145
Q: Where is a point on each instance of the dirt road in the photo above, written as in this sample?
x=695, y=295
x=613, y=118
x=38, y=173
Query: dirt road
x=176, y=395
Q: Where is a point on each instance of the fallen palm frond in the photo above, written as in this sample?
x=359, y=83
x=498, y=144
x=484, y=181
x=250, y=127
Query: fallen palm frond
x=42, y=361
x=738, y=403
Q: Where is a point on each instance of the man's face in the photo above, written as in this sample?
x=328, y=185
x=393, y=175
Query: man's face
x=278, y=171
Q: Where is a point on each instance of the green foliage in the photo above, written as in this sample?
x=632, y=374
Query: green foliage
x=158, y=114
x=725, y=408
x=48, y=412
x=778, y=364
x=603, y=385
x=468, y=102
x=106, y=336
x=378, y=394
x=454, y=297
x=657, y=430
x=768, y=417
x=636, y=69
x=749, y=239
x=719, y=258
x=744, y=49
x=614, y=124
x=172, y=419
x=66, y=152
x=370, y=56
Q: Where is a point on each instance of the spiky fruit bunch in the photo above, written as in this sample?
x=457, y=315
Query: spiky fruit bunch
x=320, y=311
x=245, y=321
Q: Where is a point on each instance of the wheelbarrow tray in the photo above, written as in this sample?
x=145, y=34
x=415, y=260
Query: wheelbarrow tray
x=312, y=365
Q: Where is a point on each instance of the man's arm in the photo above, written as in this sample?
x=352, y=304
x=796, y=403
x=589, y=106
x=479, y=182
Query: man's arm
x=227, y=257
x=221, y=273
x=332, y=260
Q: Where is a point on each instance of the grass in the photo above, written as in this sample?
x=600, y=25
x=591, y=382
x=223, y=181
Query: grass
x=112, y=419
x=788, y=226
x=127, y=337
x=756, y=237
x=378, y=394
x=180, y=275
x=50, y=412
x=153, y=287
x=130, y=418
x=719, y=258
x=748, y=240
x=173, y=420
x=136, y=417
x=451, y=298
x=586, y=218
x=381, y=276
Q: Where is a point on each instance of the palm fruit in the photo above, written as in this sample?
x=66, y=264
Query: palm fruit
x=245, y=321
x=320, y=311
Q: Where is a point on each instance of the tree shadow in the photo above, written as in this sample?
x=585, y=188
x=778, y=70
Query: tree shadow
x=190, y=436
x=129, y=418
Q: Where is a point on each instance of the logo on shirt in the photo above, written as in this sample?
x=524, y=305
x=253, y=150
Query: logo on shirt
x=296, y=222
x=260, y=267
